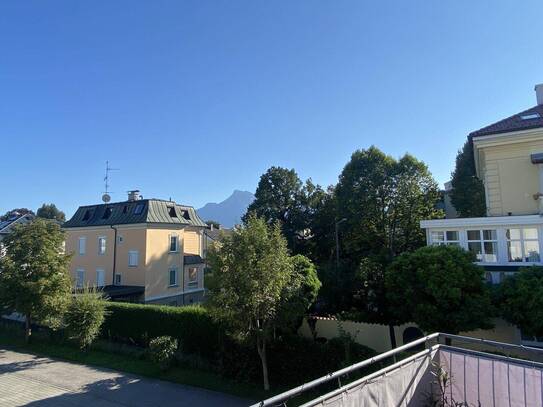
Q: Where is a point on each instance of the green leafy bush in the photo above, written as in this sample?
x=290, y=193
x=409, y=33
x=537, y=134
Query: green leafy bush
x=520, y=300
x=137, y=323
x=162, y=350
x=84, y=317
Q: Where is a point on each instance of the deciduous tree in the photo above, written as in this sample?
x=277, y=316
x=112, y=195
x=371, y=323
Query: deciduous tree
x=520, y=299
x=251, y=271
x=34, y=279
x=440, y=289
x=382, y=201
x=50, y=211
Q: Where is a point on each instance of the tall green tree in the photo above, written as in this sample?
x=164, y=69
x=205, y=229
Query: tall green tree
x=299, y=294
x=34, y=278
x=468, y=191
x=19, y=211
x=50, y=211
x=282, y=197
x=254, y=276
x=520, y=299
x=440, y=289
x=382, y=201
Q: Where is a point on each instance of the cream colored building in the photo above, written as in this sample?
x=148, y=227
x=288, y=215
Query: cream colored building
x=143, y=250
x=509, y=159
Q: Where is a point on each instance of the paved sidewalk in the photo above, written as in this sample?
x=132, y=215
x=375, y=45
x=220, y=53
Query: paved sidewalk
x=29, y=380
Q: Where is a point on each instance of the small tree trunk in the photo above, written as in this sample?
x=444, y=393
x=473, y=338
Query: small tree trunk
x=261, y=347
x=28, y=329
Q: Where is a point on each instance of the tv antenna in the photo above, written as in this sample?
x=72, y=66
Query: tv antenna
x=106, y=197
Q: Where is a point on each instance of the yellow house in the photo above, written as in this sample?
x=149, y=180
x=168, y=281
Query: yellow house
x=509, y=160
x=144, y=250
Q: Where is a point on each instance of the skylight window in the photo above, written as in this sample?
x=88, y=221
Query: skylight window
x=529, y=116
x=139, y=209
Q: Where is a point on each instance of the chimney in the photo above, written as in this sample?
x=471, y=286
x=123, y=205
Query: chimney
x=133, y=195
x=539, y=93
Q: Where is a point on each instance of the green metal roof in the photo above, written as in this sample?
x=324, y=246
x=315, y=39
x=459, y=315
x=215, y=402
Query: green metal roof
x=133, y=212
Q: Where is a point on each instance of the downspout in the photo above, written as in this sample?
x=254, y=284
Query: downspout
x=114, y=253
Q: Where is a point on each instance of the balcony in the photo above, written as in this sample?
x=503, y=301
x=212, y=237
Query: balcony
x=501, y=244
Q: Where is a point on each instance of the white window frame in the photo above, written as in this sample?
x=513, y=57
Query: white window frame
x=176, y=274
x=102, y=246
x=79, y=277
x=133, y=254
x=522, y=241
x=98, y=272
x=82, y=245
x=482, y=242
x=170, y=237
x=445, y=240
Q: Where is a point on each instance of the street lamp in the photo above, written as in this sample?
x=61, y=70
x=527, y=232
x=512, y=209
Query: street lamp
x=337, y=240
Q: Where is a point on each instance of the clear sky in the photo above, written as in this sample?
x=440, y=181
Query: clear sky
x=193, y=99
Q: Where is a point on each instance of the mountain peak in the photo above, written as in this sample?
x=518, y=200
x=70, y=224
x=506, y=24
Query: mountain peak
x=228, y=212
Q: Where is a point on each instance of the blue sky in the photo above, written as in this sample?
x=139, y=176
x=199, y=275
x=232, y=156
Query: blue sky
x=193, y=99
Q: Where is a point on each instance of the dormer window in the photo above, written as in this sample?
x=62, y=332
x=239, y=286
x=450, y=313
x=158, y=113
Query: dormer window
x=87, y=215
x=125, y=209
x=139, y=209
x=530, y=116
x=185, y=215
x=107, y=213
x=172, y=212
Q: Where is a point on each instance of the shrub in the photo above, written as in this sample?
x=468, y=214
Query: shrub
x=84, y=317
x=162, y=350
x=520, y=299
x=136, y=323
x=440, y=289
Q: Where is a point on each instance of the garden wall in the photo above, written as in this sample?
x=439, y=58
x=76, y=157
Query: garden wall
x=377, y=336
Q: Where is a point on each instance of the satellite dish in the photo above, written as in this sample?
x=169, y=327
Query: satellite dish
x=106, y=198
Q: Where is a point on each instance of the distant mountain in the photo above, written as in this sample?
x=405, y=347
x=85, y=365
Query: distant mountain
x=228, y=212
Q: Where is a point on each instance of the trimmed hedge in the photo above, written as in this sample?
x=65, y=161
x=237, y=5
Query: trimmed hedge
x=139, y=323
x=292, y=359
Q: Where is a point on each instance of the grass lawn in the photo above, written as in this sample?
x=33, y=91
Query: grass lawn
x=130, y=364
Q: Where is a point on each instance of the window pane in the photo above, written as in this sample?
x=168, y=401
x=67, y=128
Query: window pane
x=475, y=247
x=172, y=277
x=452, y=235
x=491, y=252
x=453, y=244
x=490, y=235
x=531, y=251
x=513, y=233
x=438, y=237
x=474, y=235
x=514, y=251
x=173, y=243
x=530, y=233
